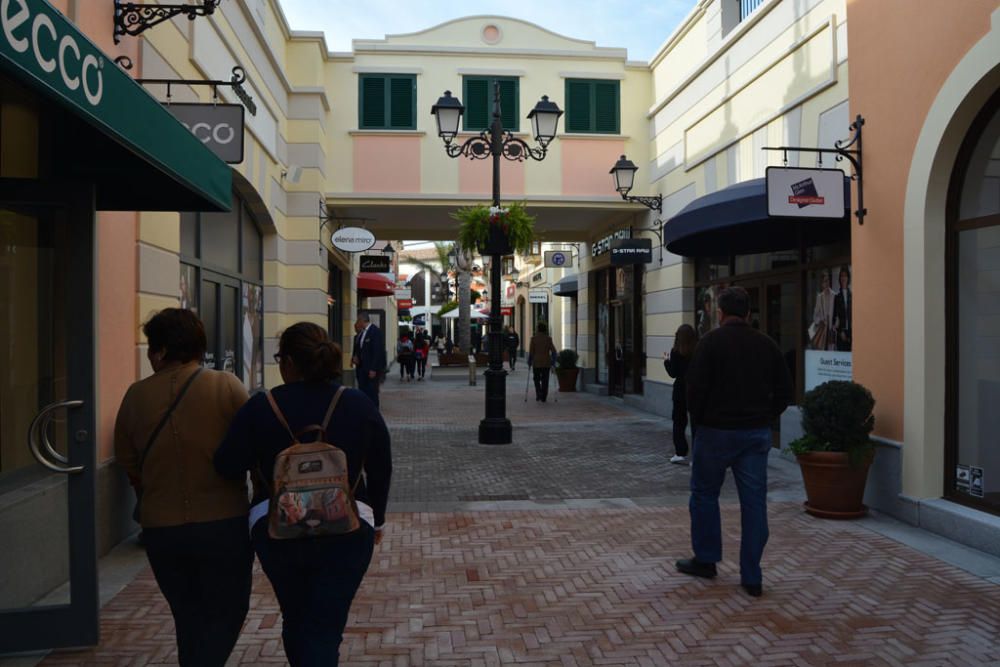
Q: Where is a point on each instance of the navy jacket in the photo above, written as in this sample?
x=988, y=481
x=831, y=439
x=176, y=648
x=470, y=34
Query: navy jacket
x=256, y=437
x=372, y=353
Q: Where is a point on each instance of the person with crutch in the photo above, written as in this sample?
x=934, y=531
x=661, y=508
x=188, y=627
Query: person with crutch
x=541, y=353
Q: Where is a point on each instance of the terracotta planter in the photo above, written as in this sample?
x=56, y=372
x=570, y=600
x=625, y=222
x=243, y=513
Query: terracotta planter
x=834, y=489
x=567, y=379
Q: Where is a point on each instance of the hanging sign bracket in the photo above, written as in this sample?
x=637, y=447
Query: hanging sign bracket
x=236, y=83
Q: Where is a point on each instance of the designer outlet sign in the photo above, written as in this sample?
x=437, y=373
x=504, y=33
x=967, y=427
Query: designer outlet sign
x=805, y=193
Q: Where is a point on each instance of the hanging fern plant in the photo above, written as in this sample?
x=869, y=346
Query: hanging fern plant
x=514, y=222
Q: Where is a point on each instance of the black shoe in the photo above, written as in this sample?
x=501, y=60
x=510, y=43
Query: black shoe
x=753, y=590
x=696, y=568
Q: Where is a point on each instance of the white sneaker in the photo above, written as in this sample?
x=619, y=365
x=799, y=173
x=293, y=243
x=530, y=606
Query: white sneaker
x=679, y=460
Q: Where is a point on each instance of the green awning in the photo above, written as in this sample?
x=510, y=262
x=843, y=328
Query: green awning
x=108, y=129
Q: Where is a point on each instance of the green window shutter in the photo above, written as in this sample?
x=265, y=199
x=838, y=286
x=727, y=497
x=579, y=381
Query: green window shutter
x=508, y=105
x=578, y=106
x=401, y=103
x=373, y=102
x=606, y=107
x=476, y=98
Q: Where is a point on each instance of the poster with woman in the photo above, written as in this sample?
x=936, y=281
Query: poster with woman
x=829, y=326
x=253, y=320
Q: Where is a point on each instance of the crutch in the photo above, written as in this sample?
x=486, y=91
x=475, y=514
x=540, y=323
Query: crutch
x=527, y=379
x=555, y=394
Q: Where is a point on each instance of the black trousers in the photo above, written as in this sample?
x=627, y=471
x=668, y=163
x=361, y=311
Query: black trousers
x=512, y=354
x=369, y=386
x=315, y=581
x=680, y=418
x=204, y=572
x=541, y=377
x=421, y=366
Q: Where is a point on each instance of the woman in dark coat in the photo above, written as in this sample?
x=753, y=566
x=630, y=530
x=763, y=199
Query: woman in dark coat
x=314, y=578
x=676, y=366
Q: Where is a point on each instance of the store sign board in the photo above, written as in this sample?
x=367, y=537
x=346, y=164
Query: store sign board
x=538, y=295
x=625, y=252
x=558, y=259
x=805, y=193
x=403, y=293
x=218, y=126
x=404, y=304
x=506, y=310
x=352, y=239
x=825, y=365
x=603, y=245
x=374, y=264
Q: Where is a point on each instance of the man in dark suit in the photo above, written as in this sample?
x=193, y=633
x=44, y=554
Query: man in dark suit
x=842, y=304
x=368, y=357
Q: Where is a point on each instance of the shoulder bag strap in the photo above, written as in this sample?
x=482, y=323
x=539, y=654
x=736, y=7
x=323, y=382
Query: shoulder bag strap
x=166, y=416
x=280, y=416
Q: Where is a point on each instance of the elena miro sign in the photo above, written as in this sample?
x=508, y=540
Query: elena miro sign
x=218, y=126
x=601, y=246
x=352, y=239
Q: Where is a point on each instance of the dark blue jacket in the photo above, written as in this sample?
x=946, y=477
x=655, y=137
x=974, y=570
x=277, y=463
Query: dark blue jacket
x=372, y=352
x=256, y=437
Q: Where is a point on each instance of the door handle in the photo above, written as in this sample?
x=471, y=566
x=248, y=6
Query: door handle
x=38, y=438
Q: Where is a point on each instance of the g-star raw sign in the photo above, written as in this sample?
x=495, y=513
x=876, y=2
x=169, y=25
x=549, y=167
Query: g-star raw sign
x=218, y=126
x=631, y=251
x=805, y=193
x=352, y=239
x=373, y=264
x=601, y=246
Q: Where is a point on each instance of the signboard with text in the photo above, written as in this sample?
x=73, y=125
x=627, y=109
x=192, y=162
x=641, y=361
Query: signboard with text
x=403, y=293
x=625, y=252
x=352, y=239
x=506, y=310
x=538, y=295
x=558, y=259
x=374, y=264
x=825, y=365
x=805, y=193
x=218, y=126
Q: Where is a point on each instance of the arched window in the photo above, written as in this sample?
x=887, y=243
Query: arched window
x=973, y=317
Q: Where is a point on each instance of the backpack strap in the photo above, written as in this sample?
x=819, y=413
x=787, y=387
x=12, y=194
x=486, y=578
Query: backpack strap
x=333, y=406
x=280, y=415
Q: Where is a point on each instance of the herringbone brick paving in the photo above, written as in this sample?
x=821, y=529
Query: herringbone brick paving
x=593, y=586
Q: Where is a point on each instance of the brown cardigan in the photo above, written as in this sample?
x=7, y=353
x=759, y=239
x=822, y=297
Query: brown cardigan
x=541, y=350
x=179, y=481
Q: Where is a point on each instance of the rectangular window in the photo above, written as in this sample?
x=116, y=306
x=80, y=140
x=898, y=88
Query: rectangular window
x=592, y=106
x=477, y=96
x=748, y=6
x=387, y=102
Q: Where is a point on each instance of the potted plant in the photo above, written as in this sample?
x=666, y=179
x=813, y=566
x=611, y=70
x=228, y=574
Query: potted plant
x=836, y=450
x=566, y=369
x=496, y=231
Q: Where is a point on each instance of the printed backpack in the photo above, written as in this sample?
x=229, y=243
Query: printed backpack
x=311, y=494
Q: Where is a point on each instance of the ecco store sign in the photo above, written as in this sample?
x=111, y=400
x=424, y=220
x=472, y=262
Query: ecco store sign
x=56, y=59
x=218, y=126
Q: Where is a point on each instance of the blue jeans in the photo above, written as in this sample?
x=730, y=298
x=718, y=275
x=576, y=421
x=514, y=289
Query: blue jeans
x=745, y=451
x=315, y=580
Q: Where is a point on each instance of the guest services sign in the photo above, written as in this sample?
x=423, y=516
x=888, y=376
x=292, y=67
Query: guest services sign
x=805, y=193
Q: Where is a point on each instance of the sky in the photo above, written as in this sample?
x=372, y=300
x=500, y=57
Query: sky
x=641, y=26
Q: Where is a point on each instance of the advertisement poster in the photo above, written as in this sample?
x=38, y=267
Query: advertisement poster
x=829, y=326
x=253, y=335
x=707, y=313
x=189, y=287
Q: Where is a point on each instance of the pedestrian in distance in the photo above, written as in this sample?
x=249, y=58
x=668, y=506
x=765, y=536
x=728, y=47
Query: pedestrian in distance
x=737, y=385
x=511, y=342
x=368, y=357
x=449, y=345
x=193, y=519
x=541, y=359
x=315, y=576
x=406, y=357
x=422, y=352
x=676, y=364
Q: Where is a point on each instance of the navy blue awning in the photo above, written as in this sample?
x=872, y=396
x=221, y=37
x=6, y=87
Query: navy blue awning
x=566, y=286
x=734, y=221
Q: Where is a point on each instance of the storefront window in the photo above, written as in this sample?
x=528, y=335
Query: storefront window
x=220, y=279
x=974, y=334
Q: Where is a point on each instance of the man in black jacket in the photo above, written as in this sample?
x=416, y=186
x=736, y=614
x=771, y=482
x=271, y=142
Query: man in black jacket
x=368, y=357
x=737, y=385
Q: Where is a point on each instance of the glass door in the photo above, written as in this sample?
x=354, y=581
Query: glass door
x=48, y=564
x=220, y=312
x=616, y=349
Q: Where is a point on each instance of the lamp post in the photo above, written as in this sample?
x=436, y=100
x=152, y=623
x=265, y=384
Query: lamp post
x=495, y=428
x=624, y=173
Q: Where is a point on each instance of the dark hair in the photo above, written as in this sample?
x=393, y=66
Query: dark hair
x=734, y=301
x=315, y=356
x=178, y=332
x=542, y=328
x=685, y=339
x=844, y=270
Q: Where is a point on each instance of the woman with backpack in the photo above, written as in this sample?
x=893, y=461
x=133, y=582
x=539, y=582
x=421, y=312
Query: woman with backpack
x=193, y=520
x=405, y=351
x=315, y=576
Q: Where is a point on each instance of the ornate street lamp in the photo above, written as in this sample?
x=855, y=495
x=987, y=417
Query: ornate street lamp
x=495, y=428
x=624, y=173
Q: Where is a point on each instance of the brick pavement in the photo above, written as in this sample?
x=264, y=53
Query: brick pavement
x=593, y=586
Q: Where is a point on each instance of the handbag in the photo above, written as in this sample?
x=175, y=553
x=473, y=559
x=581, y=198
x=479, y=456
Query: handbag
x=817, y=337
x=152, y=440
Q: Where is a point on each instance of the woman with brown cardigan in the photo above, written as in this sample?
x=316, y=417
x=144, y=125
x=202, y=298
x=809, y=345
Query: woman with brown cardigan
x=541, y=358
x=194, y=520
